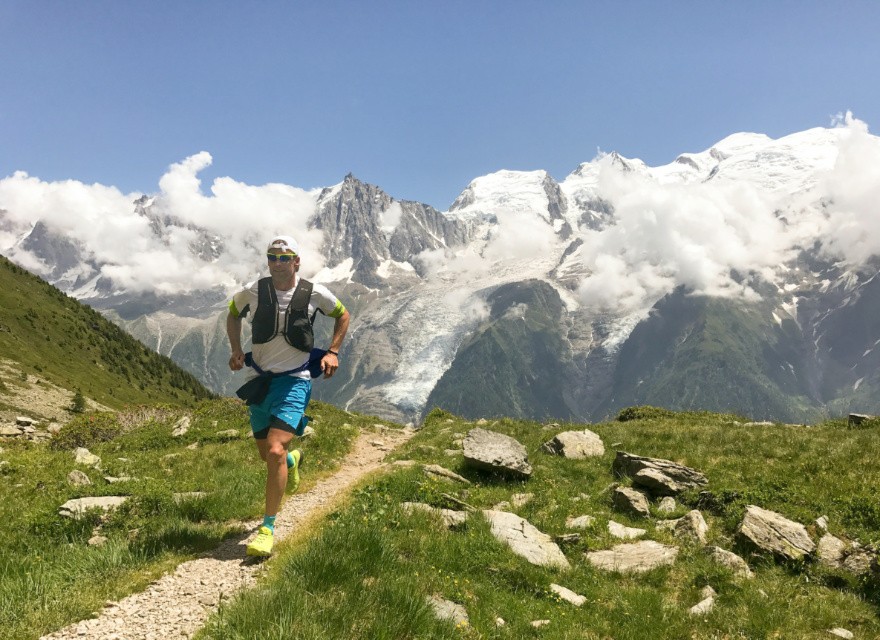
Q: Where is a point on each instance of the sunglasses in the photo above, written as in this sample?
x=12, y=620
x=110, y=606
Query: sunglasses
x=284, y=257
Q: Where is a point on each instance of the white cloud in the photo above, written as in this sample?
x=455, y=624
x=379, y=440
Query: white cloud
x=390, y=217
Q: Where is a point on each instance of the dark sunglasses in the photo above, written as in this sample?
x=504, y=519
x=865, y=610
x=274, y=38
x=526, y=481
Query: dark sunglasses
x=284, y=257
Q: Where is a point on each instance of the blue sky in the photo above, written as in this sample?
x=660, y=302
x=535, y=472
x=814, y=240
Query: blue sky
x=416, y=97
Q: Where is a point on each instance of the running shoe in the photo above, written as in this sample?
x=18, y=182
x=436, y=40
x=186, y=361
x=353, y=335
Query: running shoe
x=262, y=544
x=298, y=458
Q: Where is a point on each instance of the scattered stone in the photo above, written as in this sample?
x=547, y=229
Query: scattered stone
x=680, y=476
x=730, y=560
x=703, y=607
x=77, y=507
x=451, y=452
x=450, y=518
x=624, y=533
x=667, y=505
x=309, y=431
x=525, y=540
x=762, y=423
x=707, y=592
x=658, y=483
x=841, y=633
x=692, y=526
x=405, y=463
x=567, y=538
x=858, y=561
x=78, y=478
x=97, y=541
x=856, y=419
x=114, y=480
x=496, y=452
x=447, y=610
x=193, y=446
x=539, y=623
x=631, y=502
x=771, y=532
x=575, y=445
x=636, y=557
x=568, y=595
x=482, y=421
x=170, y=456
x=581, y=522
x=181, y=427
x=10, y=431
x=831, y=551
x=437, y=471
x=822, y=524
x=24, y=421
x=500, y=622
x=229, y=434
x=504, y=505
x=86, y=457
x=521, y=499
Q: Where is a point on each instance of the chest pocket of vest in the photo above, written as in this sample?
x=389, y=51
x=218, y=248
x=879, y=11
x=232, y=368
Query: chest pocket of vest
x=297, y=329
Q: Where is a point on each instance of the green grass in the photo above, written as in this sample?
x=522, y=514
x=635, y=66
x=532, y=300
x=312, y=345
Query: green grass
x=52, y=577
x=367, y=571
x=38, y=322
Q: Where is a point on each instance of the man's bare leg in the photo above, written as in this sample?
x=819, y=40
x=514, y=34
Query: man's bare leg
x=276, y=465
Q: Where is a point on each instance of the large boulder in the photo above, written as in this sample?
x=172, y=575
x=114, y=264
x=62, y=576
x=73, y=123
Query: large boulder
x=658, y=476
x=575, y=445
x=636, y=557
x=526, y=540
x=496, y=453
x=768, y=531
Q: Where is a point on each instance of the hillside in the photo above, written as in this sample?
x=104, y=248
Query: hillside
x=50, y=339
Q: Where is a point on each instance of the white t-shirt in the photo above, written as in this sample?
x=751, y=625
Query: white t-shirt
x=277, y=355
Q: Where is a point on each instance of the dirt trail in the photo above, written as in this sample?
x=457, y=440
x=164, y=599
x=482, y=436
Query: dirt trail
x=179, y=603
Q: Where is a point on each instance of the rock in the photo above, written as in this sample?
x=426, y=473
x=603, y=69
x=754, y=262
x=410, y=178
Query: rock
x=440, y=472
x=567, y=538
x=229, y=434
x=692, y=526
x=624, y=533
x=631, y=502
x=77, y=507
x=657, y=483
x=667, y=505
x=581, y=522
x=496, y=452
x=482, y=421
x=193, y=446
x=86, y=457
x=708, y=592
x=575, y=445
x=10, y=431
x=24, y=421
x=822, y=524
x=568, y=595
x=730, y=560
x=447, y=610
x=525, y=540
x=856, y=419
x=114, y=480
x=53, y=428
x=450, y=518
x=636, y=557
x=537, y=624
x=405, y=463
x=308, y=432
x=628, y=464
x=521, y=499
x=858, y=562
x=831, y=551
x=702, y=607
x=841, y=633
x=499, y=622
x=181, y=427
x=78, y=478
x=97, y=541
x=770, y=532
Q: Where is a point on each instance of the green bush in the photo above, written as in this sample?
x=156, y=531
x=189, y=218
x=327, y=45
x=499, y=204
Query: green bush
x=644, y=412
x=86, y=430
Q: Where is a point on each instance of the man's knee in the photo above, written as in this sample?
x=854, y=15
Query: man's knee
x=276, y=453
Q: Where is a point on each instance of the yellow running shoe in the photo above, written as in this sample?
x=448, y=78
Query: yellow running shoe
x=262, y=544
x=297, y=456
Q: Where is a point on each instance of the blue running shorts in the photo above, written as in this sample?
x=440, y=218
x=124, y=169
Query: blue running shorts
x=287, y=400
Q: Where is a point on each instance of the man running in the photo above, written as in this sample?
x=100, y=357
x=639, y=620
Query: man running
x=282, y=308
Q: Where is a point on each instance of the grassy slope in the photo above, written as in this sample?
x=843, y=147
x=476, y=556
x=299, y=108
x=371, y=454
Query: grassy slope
x=367, y=572
x=73, y=346
x=52, y=577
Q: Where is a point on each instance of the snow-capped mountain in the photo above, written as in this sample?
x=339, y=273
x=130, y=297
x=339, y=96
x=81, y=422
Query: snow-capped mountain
x=739, y=278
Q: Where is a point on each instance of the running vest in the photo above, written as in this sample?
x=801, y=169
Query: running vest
x=297, y=329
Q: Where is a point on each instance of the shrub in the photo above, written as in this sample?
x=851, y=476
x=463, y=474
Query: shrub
x=86, y=430
x=644, y=412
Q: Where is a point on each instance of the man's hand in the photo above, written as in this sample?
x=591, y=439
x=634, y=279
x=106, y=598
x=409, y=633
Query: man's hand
x=236, y=361
x=329, y=365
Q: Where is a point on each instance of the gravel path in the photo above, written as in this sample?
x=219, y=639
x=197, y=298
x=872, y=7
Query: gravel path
x=179, y=603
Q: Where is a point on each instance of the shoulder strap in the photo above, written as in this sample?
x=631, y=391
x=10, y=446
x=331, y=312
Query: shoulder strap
x=300, y=300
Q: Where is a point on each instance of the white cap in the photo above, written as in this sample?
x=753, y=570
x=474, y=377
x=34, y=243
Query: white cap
x=285, y=243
